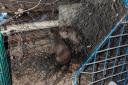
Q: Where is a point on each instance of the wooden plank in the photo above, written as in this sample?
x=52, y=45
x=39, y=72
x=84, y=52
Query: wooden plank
x=32, y=26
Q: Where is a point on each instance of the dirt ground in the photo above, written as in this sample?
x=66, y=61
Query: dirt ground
x=32, y=61
x=35, y=66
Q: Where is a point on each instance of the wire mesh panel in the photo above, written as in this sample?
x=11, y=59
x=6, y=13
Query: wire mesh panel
x=5, y=78
x=109, y=61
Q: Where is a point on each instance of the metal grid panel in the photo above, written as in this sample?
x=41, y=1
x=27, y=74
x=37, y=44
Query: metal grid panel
x=109, y=61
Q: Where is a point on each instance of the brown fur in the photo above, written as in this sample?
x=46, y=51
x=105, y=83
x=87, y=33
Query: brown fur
x=62, y=51
x=68, y=32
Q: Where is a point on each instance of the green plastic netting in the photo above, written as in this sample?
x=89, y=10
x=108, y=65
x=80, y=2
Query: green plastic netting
x=5, y=78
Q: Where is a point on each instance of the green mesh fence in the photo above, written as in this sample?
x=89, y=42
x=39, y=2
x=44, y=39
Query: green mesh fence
x=5, y=78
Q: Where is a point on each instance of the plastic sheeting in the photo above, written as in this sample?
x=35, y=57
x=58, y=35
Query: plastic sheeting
x=2, y=16
x=126, y=3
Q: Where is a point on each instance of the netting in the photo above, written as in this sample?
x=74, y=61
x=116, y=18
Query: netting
x=5, y=78
x=109, y=61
